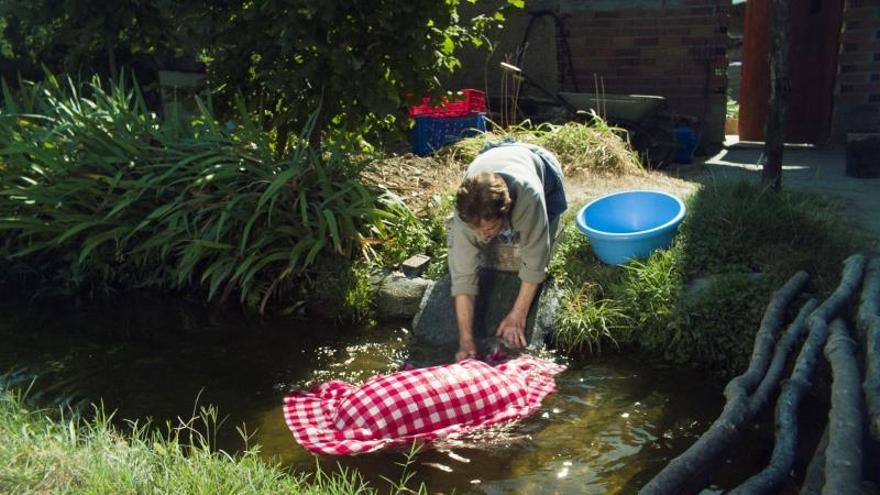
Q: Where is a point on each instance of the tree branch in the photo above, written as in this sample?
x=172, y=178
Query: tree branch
x=774, y=475
x=843, y=457
x=683, y=472
x=784, y=346
x=815, y=476
x=869, y=325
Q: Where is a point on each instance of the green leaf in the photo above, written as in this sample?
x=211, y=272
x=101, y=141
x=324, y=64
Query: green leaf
x=92, y=242
x=76, y=229
x=334, y=229
x=211, y=244
x=448, y=46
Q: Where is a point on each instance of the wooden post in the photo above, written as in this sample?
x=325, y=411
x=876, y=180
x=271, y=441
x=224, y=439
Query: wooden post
x=780, y=87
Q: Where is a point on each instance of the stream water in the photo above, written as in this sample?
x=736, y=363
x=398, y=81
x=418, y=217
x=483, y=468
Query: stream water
x=614, y=422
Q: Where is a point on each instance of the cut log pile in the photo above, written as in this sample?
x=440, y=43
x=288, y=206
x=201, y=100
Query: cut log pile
x=838, y=465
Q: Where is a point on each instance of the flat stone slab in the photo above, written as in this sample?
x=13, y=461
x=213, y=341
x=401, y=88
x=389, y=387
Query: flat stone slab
x=399, y=296
x=436, y=323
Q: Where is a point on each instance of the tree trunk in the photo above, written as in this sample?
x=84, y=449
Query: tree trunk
x=111, y=57
x=780, y=87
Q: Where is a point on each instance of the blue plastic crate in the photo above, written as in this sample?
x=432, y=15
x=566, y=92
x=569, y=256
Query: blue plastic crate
x=432, y=133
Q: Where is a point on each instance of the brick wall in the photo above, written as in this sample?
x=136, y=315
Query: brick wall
x=857, y=90
x=675, y=49
x=672, y=48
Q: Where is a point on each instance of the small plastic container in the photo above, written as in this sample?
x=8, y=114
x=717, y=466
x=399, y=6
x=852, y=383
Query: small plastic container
x=472, y=102
x=433, y=133
x=686, y=140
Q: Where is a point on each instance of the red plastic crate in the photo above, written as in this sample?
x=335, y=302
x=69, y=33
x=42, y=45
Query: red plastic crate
x=473, y=102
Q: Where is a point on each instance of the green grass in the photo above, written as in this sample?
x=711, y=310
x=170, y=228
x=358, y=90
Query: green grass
x=740, y=239
x=45, y=452
x=740, y=227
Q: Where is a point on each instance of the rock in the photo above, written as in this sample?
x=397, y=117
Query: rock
x=399, y=296
x=436, y=322
x=415, y=266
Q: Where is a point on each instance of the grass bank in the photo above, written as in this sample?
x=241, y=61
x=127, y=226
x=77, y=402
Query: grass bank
x=700, y=302
x=43, y=452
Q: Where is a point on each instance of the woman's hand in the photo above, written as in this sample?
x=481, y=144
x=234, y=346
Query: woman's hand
x=466, y=350
x=513, y=329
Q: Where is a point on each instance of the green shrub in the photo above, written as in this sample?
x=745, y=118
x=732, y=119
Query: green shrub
x=732, y=108
x=588, y=315
x=340, y=290
x=99, y=194
x=740, y=227
x=717, y=329
x=650, y=292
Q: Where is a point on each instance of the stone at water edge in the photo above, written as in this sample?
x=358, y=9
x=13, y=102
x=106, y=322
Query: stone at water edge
x=436, y=322
x=399, y=296
x=415, y=266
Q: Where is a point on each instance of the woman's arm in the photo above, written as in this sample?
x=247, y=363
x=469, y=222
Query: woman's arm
x=464, y=315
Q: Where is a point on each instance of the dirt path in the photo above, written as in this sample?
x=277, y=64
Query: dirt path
x=582, y=189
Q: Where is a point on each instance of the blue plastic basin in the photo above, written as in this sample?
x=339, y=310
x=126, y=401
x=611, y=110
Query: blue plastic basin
x=630, y=224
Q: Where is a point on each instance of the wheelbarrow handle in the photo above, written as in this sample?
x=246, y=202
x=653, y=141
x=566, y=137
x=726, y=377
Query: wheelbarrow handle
x=517, y=72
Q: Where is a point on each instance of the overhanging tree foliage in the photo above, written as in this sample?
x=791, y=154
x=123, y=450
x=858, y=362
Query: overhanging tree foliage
x=86, y=36
x=359, y=60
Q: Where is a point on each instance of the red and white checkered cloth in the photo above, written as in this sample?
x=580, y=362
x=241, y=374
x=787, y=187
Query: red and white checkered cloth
x=421, y=404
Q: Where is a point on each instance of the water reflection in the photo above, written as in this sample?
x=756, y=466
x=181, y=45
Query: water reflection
x=612, y=424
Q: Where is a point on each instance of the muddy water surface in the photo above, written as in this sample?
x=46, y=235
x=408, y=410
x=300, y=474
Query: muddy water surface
x=614, y=422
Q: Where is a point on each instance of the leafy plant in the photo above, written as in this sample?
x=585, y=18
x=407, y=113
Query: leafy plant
x=287, y=58
x=585, y=321
x=588, y=314
x=651, y=292
x=100, y=194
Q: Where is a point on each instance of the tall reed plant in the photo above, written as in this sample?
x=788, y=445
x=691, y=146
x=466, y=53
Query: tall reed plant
x=98, y=193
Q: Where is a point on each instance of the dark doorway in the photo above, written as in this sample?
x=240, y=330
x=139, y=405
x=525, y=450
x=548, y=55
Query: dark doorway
x=813, y=46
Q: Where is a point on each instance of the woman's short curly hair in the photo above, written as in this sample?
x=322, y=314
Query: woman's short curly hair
x=482, y=196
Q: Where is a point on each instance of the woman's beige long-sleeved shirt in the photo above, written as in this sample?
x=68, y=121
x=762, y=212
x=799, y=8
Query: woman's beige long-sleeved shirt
x=523, y=172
